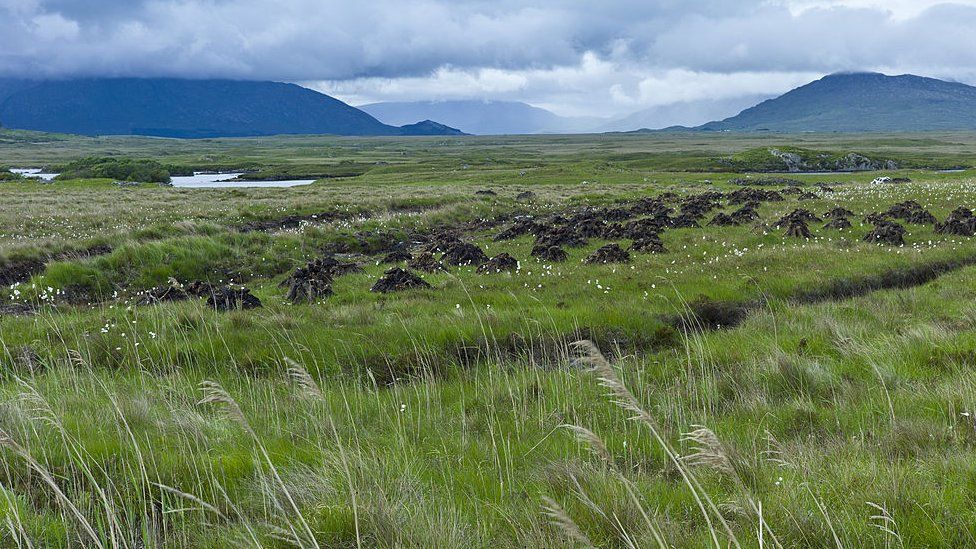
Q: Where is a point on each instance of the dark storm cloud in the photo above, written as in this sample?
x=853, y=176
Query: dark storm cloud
x=617, y=54
x=335, y=40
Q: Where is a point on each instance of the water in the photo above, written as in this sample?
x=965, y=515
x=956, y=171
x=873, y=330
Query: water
x=814, y=173
x=198, y=180
x=223, y=181
x=35, y=172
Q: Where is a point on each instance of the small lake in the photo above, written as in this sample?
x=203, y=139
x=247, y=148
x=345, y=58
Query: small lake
x=199, y=180
x=34, y=172
x=226, y=181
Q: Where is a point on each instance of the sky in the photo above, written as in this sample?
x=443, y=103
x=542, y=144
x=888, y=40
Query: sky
x=601, y=58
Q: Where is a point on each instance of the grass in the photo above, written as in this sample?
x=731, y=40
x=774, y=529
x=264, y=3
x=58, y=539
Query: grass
x=837, y=411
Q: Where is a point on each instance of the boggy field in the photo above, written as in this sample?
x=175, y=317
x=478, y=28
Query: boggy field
x=472, y=342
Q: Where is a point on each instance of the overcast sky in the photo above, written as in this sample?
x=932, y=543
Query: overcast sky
x=576, y=57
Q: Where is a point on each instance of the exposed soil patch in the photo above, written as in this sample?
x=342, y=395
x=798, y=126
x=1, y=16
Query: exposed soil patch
x=397, y=279
x=17, y=309
x=20, y=270
x=707, y=314
x=893, y=279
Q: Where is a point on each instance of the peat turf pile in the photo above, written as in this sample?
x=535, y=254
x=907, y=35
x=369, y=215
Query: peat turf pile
x=887, y=232
x=961, y=222
x=911, y=212
x=397, y=280
x=397, y=256
x=551, y=254
x=798, y=228
x=464, y=253
x=611, y=253
x=226, y=298
x=651, y=243
x=501, y=263
x=838, y=219
x=426, y=262
x=806, y=216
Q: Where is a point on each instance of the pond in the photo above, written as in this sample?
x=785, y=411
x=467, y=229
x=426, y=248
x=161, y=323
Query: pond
x=199, y=180
x=209, y=180
x=34, y=172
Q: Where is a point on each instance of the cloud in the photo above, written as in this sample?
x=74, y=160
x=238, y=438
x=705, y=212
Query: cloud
x=582, y=56
x=593, y=87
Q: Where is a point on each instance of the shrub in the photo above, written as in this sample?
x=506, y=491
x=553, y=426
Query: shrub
x=122, y=169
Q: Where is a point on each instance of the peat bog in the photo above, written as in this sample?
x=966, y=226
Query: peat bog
x=389, y=356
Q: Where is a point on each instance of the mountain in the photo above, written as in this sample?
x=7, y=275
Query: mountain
x=482, y=117
x=684, y=113
x=429, y=127
x=185, y=108
x=862, y=102
x=9, y=87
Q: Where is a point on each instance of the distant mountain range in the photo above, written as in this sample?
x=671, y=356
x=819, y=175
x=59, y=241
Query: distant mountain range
x=684, y=113
x=861, y=102
x=844, y=102
x=512, y=117
x=483, y=117
x=187, y=109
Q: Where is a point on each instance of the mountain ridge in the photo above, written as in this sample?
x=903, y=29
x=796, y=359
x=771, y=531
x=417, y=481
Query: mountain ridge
x=170, y=107
x=482, y=117
x=861, y=102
